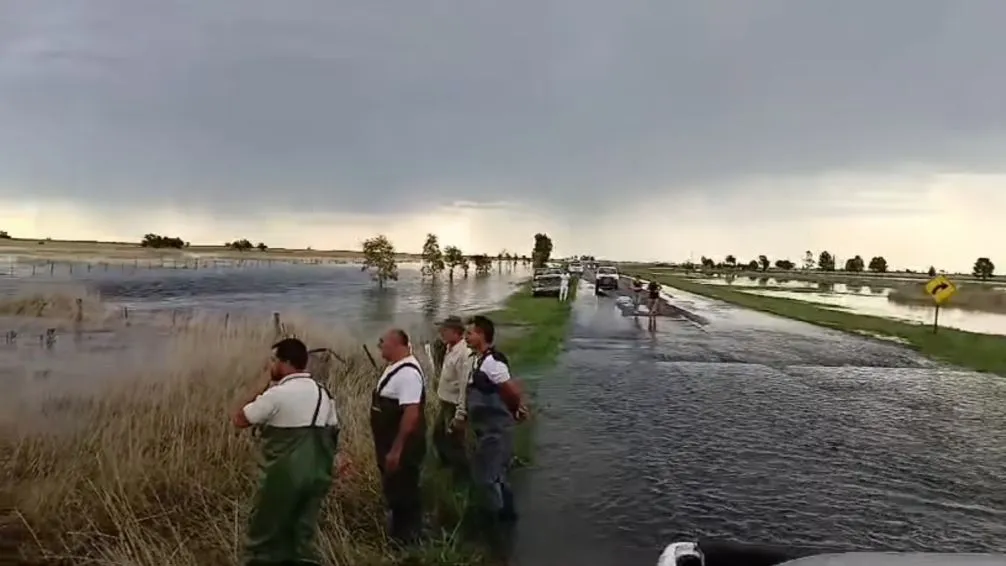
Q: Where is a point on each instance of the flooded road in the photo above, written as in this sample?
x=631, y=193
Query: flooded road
x=758, y=429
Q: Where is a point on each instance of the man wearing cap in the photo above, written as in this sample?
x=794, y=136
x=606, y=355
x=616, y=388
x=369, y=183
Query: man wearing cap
x=448, y=433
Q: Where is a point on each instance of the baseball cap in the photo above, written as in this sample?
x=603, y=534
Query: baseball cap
x=453, y=322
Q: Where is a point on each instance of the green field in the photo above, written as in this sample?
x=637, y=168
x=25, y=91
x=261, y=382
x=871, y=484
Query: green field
x=981, y=352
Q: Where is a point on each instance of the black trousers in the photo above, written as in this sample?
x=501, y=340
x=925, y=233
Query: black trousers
x=450, y=445
x=404, y=499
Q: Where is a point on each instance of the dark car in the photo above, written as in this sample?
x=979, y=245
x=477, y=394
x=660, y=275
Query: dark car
x=605, y=279
x=546, y=285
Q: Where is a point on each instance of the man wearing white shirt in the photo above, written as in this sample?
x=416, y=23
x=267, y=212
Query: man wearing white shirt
x=448, y=433
x=299, y=435
x=398, y=423
x=563, y=285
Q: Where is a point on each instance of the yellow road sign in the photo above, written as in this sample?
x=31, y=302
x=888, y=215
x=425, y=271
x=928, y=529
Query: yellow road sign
x=940, y=289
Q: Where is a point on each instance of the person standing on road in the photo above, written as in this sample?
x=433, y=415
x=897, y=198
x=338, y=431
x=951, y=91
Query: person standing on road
x=299, y=436
x=563, y=285
x=494, y=405
x=398, y=424
x=653, y=290
x=448, y=432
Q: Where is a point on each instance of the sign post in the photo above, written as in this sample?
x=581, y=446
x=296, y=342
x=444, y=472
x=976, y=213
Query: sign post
x=940, y=289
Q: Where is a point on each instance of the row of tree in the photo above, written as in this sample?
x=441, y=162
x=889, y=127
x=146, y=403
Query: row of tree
x=158, y=241
x=245, y=245
x=379, y=258
x=825, y=261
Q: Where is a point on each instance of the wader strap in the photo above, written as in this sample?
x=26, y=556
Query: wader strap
x=317, y=407
x=387, y=378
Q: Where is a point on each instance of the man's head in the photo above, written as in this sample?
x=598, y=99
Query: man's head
x=452, y=330
x=394, y=345
x=288, y=356
x=481, y=333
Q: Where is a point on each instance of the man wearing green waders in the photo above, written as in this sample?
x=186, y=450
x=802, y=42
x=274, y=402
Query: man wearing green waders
x=299, y=433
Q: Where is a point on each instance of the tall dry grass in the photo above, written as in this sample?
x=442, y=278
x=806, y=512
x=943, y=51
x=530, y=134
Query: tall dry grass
x=151, y=472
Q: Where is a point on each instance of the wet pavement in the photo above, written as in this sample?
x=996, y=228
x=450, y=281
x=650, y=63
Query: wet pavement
x=759, y=429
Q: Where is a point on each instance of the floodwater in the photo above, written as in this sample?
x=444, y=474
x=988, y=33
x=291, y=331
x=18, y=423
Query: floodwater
x=328, y=293
x=864, y=299
x=757, y=429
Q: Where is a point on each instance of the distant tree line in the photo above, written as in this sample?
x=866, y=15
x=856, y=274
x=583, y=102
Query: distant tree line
x=4, y=235
x=983, y=268
x=245, y=245
x=379, y=258
x=157, y=241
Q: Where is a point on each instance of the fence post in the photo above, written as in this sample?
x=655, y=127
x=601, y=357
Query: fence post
x=52, y=269
x=80, y=309
x=277, y=325
x=227, y=320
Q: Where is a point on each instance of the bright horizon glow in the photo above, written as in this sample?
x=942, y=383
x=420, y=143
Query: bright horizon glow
x=935, y=224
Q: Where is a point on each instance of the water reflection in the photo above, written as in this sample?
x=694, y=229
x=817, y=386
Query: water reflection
x=878, y=305
x=379, y=304
x=860, y=298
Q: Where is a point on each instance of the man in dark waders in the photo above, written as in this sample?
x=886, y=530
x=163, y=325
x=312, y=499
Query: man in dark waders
x=299, y=435
x=494, y=405
x=398, y=423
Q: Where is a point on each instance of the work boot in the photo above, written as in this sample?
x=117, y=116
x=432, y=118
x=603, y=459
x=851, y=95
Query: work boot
x=508, y=513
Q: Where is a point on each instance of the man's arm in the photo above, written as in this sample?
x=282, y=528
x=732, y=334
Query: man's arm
x=409, y=425
x=410, y=393
x=509, y=391
x=462, y=367
x=256, y=407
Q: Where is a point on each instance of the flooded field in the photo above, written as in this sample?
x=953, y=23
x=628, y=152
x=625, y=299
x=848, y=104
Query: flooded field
x=863, y=299
x=127, y=316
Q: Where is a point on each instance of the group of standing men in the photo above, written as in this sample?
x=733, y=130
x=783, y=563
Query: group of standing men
x=299, y=434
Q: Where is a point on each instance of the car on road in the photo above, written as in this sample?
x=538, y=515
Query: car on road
x=605, y=279
x=576, y=268
x=546, y=282
x=547, y=271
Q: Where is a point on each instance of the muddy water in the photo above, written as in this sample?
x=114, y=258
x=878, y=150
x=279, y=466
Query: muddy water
x=865, y=300
x=757, y=429
x=149, y=300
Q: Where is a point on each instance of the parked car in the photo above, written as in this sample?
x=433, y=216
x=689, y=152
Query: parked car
x=576, y=268
x=605, y=279
x=546, y=284
x=547, y=271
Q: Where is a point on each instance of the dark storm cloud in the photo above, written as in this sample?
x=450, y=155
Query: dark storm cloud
x=239, y=104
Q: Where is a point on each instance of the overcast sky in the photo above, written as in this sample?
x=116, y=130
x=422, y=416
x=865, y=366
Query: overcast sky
x=631, y=129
